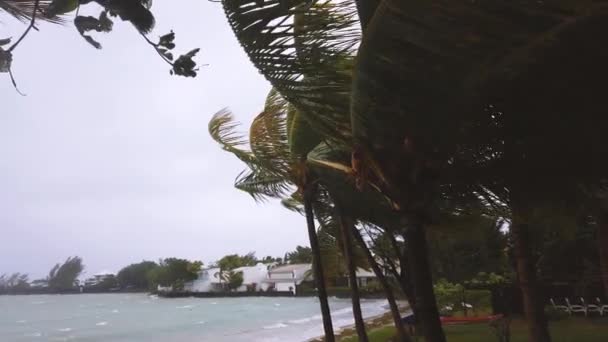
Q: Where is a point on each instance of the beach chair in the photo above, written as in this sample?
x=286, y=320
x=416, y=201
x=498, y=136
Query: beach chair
x=558, y=306
x=591, y=307
x=603, y=307
x=574, y=308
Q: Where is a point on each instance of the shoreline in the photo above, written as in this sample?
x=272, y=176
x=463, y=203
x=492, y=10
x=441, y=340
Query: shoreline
x=371, y=322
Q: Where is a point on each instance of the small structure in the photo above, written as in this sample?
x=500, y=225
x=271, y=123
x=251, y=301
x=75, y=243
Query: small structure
x=289, y=277
x=98, y=279
x=364, y=277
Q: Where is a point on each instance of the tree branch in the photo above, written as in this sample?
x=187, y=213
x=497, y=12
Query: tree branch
x=27, y=30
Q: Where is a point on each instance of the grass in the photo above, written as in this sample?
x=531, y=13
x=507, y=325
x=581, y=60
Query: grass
x=567, y=330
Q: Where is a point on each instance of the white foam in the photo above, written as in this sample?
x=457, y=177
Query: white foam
x=276, y=326
x=185, y=307
x=115, y=311
x=21, y=321
x=64, y=329
x=101, y=324
x=300, y=321
x=200, y=322
x=277, y=304
x=36, y=334
x=213, y=303
x=39, y=302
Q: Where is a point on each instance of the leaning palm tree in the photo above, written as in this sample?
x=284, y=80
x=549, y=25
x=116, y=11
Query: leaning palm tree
x=276, y=165
x=427, y=73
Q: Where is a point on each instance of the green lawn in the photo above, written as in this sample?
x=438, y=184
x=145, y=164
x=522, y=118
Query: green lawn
x=566, y=330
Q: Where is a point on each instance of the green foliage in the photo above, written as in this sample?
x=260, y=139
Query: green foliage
x=232, y=261
x=302, y=255
x=463, y=246
x=486, y=280
x=270, y=259
x=233, y=279
x=174, y=272
x=453, y=295
x=63, y=276
x=15, y=282
x=136, y=275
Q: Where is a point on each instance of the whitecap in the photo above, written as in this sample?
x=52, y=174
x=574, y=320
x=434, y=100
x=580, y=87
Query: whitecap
x=213, y=303
x=64, y=329
x=200, y=322
x=21, y=321
x=115, y=311
x=36, y=334
x=101, y=324
x=277, y=304
x=39, y=302
x=185, y=307
x=300, y=321
x=276, y=326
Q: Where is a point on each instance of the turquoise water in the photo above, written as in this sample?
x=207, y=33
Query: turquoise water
x=140, y=317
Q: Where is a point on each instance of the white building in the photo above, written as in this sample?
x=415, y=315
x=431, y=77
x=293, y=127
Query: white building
x=208, y=281
x=98, y=278
x=254, y=277
x=364, y=276
x=288, y=277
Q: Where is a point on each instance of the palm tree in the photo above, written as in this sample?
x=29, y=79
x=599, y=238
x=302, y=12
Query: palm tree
x=24, y=9
x=427, y=66
x=279, y=142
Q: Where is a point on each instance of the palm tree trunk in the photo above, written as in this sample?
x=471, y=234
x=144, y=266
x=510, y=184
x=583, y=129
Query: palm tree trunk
x=425, y=302
x=366, y=10
x=346, y=225
x=402, y=335
x=602, y=239
x=403, y=275
x=526, y=273
x=317, y=267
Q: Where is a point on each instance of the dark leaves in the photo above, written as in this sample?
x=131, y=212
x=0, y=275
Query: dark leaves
x=86, y=24
x=166, y=41
x=6, y=58
x=185, y=65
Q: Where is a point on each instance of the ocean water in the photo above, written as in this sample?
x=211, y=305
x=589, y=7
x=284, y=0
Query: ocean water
x=140, y=317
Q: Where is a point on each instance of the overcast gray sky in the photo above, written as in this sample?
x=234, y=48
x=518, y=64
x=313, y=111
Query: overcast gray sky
x=108, y=157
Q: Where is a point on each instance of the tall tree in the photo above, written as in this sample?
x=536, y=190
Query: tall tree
x=174, y=272
x=136, y=275
x=63, y=277
x=301, y=255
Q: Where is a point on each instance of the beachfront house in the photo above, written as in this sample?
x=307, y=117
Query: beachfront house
x=254, y=278
x=208, y=280
x=288, y=278
x=98, y=279
x=364, y=277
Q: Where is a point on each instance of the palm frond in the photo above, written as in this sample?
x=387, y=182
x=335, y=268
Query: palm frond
x=23, y=10
x=268, y=135
x=304, y=48
x=262, y=185
x=295, y=202
x=423, y=66
x=222, y=128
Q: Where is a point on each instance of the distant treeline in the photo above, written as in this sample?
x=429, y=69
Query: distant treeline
x=63, y=278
